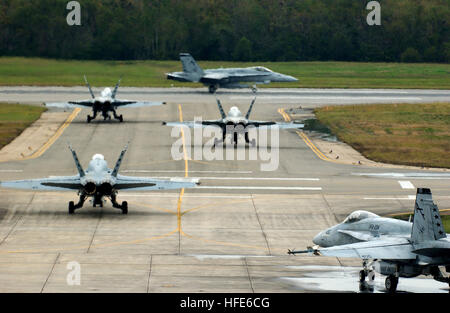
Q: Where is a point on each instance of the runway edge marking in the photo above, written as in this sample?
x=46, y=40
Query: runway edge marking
x=306, y=139
x=52, y=139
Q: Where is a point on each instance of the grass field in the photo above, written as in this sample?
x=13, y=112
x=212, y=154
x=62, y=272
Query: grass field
x=445, y=220
x=410, y=134
x=14, y=118
x=45, y=72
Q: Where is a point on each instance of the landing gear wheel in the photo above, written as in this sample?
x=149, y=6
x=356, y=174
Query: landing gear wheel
x=212, y=89
x=71, y=207
x=121, y=118
x=89, y=118
x=235, y=138
x=362, y=275
x=391, y=283
x=124, y=207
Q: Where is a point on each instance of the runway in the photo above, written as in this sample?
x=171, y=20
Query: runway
x=307, y=97
x=229, y=235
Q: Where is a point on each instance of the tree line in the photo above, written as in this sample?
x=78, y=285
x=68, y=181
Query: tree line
x=239, y=30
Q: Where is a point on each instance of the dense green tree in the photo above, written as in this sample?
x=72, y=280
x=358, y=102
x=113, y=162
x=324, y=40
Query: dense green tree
x=260, y=30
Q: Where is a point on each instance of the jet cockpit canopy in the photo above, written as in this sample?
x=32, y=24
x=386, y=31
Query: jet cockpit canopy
x=358, y=216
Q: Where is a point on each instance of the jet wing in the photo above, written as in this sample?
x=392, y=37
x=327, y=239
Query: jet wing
x=393, y=249
x=51, y=183
x=264, y=124
x=148, y=183
x=71, y=104
x=196, y=124
x=214, y=77
x=136, y=104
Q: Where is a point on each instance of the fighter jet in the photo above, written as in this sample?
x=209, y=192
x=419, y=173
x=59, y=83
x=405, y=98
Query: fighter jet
x=421, y=253
x=99, y=182
x=225, y=77
x=362, y=226
x=106, y=103
x=235, y=122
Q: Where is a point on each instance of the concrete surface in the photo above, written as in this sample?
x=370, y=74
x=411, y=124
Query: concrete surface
x=208, y=239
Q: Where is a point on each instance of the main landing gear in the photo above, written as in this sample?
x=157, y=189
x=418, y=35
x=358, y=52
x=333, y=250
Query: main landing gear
x=391, y=283
x=73, y=206
x=123, y=206
x=105, y=116
x=235, y=139
x=367, y=271
x=212, y=88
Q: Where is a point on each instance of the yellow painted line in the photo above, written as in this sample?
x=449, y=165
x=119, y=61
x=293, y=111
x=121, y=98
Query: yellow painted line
x=180, y=199
x=55, y=136
x=306, y=139
x=186, y=173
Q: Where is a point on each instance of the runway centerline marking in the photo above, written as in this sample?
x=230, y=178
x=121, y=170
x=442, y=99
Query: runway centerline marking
x=406, y=184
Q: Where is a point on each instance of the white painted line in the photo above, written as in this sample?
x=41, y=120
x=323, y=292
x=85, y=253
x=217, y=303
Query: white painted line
x=258, y=188
x=410, y=197
x=407, y=175
x=246, y=178
x=406, y=184
x=184, y=196
x=299, y=97
x=175, y=171
x=320, y=91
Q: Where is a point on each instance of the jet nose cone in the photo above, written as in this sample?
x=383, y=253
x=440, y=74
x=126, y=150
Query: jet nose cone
x=290, y=78
x=286, y=78
x=318, y=239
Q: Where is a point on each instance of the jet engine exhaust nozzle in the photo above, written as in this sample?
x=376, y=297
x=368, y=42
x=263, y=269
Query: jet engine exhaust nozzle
x=105, y=189
x=90, y=188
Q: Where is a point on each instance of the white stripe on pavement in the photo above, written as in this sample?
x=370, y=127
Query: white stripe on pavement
x=406, y=184
x=246, y=178
x=258, y=188
x=410, y=197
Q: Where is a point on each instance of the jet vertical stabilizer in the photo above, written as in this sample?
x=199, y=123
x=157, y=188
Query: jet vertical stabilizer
x=189, y=64
x=427, y=224
x=119, y=161
x=77, y=162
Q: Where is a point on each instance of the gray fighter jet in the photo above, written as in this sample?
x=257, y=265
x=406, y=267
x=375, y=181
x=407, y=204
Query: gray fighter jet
x=235, y=123
x=225, y=77
x=98, y=182
x=105, y=103
x=421, y=253
x=362, y=226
